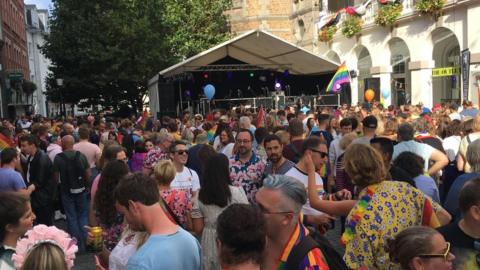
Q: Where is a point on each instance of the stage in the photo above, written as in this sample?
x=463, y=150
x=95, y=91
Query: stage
x=250, y=69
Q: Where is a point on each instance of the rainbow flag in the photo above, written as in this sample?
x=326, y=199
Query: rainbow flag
x=429, y=218
x=342, y=76
x=5, y=142
x=142, y=120
x=260, y=117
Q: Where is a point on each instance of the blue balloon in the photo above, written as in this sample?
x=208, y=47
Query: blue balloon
x=209, y=91
x=386, y=93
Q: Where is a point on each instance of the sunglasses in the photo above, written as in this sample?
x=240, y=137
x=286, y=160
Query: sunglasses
x=267, y=212
x=444, y=255
x=182, y=152
x=322, y=154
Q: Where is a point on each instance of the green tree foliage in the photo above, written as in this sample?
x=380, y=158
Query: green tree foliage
x=106, y=51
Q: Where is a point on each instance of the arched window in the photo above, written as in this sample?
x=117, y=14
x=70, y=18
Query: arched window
x=446, y=54
x=400, y=57
x=364, y=65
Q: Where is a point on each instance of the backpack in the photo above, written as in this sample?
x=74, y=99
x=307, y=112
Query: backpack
x=333, y=259
x=74, y=178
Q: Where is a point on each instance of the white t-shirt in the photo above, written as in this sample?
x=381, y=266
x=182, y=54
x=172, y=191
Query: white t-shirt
x=335, y=151
x=451, y=145
x=420, y=149
x=186, y=180
x=303, y=177
x=126, y=247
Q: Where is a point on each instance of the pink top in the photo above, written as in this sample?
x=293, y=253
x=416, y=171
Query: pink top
x=94, y=189
x=91, y=151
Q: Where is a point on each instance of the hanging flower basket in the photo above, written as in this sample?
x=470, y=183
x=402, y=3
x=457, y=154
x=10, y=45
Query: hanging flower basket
x=28, y=87
x=430, y=7
x=351, y=26
x=388, y=14
x=326, y=35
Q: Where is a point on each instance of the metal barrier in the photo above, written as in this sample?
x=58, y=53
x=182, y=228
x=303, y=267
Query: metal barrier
x=274, y=102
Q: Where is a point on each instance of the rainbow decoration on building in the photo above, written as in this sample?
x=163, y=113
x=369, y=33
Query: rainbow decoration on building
x=342, y=76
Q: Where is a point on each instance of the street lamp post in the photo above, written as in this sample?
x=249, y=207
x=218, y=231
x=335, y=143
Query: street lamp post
x=62, y=105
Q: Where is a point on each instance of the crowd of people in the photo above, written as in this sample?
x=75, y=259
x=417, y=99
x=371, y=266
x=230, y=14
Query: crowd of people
x=217, y=191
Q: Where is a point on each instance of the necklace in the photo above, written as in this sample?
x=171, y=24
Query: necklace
x=357, y=214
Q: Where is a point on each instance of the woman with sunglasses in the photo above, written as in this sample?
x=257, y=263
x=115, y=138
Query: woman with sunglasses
x=420, y=248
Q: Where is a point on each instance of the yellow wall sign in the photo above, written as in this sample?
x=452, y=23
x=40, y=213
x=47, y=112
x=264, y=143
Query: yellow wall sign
x=447, y=71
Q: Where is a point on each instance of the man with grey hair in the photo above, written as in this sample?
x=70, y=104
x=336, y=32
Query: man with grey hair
x=428, y=153
x=246, y=123
x=162, y=141
x=473, y=158
x=281, y=199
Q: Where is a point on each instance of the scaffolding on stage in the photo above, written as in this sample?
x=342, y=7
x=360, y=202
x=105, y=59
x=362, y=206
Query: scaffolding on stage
x=274, y=102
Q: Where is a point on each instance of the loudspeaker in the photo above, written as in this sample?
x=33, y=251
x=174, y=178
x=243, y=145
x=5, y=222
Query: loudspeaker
x=374, y=84
x=166, y=99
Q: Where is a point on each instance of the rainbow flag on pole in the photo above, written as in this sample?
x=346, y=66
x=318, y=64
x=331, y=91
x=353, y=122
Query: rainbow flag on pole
x=342, y=76
x=142, y=120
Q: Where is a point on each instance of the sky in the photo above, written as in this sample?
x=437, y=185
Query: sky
x=41, y=4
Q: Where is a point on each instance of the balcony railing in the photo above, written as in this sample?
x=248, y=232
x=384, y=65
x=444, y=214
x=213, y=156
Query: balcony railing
x=408, y=9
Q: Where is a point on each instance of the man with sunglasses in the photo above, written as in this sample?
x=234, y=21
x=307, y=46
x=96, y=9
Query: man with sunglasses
x=464, y=235
x=186, y=179
x=281, y=200
x=314, y=147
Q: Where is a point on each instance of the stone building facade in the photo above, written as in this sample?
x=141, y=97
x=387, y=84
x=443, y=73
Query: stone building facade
x=13, y=57
x=418, y=59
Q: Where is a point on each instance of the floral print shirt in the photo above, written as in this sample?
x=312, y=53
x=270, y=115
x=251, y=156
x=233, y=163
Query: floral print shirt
x=178, y=201
x=154, y=156
x=247, y=175
x=393, y=207
x=113, y=233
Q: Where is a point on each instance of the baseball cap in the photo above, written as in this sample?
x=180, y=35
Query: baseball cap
x=199, y=116
x=224, y=118
x=370, y=122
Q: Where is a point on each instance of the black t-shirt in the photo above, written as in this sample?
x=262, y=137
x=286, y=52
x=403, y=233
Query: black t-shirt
x=462, y=246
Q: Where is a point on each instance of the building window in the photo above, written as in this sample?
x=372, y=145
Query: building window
x=237, y=3
x=336, y=5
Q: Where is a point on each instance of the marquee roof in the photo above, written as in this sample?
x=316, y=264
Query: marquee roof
x=259, y=50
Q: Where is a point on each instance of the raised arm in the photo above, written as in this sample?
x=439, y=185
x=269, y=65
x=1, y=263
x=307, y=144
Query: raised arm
x=341, y=208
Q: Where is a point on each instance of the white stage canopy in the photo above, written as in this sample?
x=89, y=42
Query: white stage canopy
x=260, y=49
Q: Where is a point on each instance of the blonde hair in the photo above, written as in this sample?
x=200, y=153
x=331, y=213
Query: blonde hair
x=364, y=165
x=347, y=139
x=284, y=136
x=390, y=127
x=164, y=172
x=476, y=123
x=45, y=256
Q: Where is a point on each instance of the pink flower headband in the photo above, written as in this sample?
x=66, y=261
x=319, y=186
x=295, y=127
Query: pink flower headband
x=44, y=234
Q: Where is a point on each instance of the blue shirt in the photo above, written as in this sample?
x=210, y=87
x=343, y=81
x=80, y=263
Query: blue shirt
x=11, y=180
x=428, y=186
x=451, y=202
x=175, y=251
